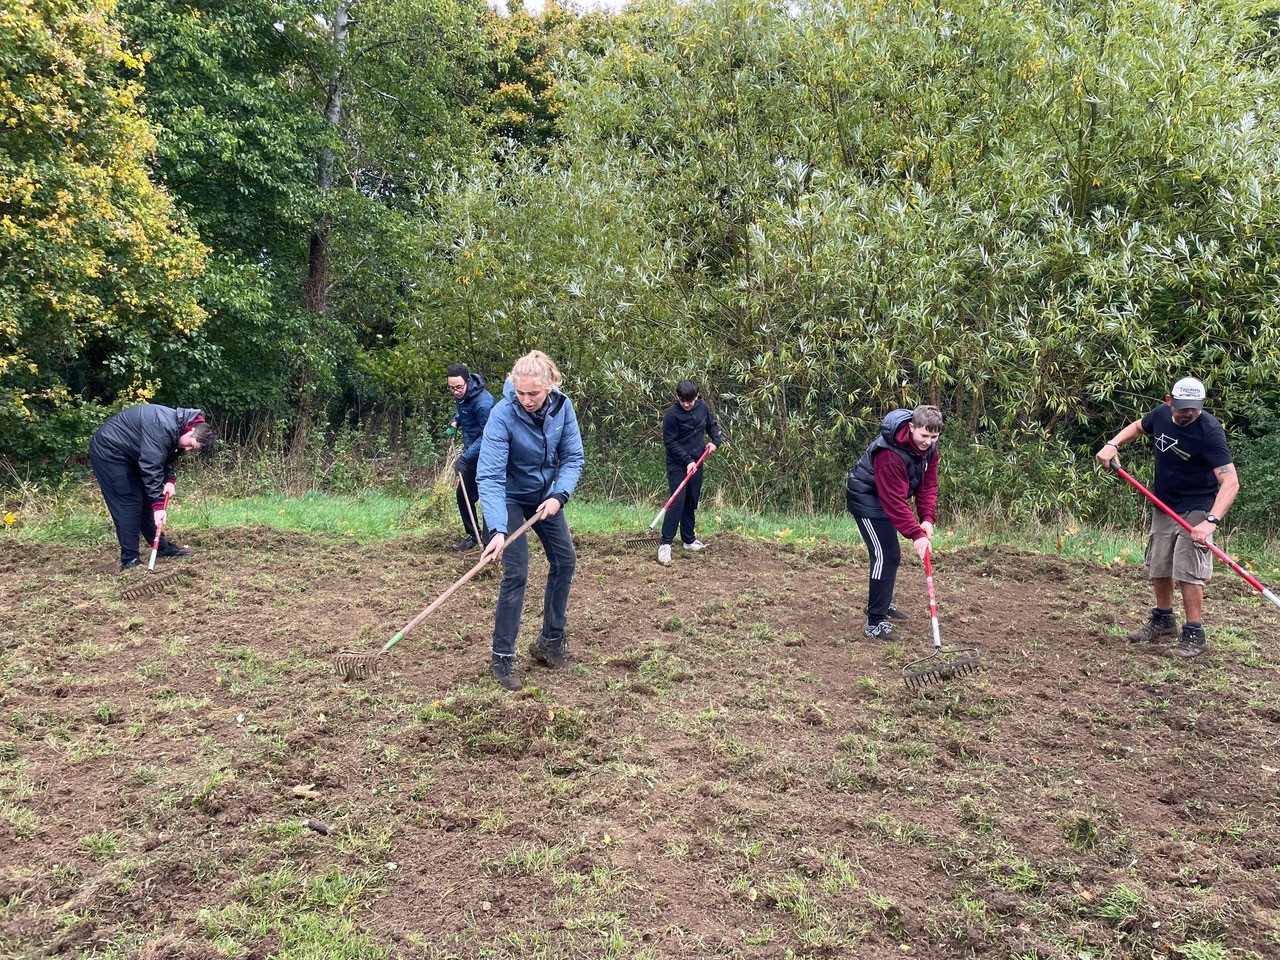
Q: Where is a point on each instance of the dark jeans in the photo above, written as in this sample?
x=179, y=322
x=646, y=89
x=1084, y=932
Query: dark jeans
x=562, y=559
x=469, y=492
x=121, y=483
x=882, y=544
x=681, y=512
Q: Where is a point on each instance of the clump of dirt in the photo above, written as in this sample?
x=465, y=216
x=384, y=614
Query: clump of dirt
x=730, y=768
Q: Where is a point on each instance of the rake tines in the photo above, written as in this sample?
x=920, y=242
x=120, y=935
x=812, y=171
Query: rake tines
x=151, y=584
x=356, y=664
x=645, y=540
x=919, y=672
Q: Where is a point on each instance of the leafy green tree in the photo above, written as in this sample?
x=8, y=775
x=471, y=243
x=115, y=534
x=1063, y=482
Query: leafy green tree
x=97, y=268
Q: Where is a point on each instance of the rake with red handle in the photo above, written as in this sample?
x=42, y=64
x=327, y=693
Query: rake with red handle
x=651, y=538
x=155, y=544
x=945, y=662
x=1221, y=555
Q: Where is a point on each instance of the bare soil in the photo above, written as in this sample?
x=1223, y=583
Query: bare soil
x=730, y=769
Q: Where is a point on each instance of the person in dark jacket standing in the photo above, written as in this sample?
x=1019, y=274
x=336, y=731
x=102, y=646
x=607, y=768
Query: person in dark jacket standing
x=1196, y=479
x=684, y=425
x=901, y=465
x=133, y=456
x=530, y=462
x=473, y=405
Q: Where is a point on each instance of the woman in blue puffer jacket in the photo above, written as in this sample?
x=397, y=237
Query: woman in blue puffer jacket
x=530, y=462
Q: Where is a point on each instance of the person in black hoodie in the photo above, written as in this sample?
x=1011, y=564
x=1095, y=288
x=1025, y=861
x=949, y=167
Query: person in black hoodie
x=473, y=404
x=133, y=456
x=683, y=427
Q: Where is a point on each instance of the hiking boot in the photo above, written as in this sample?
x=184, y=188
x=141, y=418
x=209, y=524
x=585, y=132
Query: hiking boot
x=881, y=631
x=168, y=549
x=1160, y=625
x=1192, y=643
x=550, y=653
x=895, y=613
x=695, y=546
x=129, y=564
x=466, y=543
x=504, y=670
x=664, y=554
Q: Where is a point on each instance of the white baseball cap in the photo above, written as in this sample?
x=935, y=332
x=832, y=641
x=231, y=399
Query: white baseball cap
x=1187, y=394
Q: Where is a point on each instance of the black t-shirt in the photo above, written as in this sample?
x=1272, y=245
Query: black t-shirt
x=1186, y=458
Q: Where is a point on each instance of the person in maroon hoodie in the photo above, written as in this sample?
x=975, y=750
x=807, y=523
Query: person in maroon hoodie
x=901, y=465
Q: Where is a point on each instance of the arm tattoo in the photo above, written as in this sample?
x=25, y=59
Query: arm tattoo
x=1223, y=471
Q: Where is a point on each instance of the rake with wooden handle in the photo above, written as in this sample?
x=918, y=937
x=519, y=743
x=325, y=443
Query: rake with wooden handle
x=353, y=664
x=945, y=662
x=649, y=538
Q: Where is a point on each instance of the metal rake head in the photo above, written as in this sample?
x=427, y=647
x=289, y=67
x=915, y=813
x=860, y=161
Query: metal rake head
x=917, y=673
x=356, y=664
x=151, y=584
x=648, y=540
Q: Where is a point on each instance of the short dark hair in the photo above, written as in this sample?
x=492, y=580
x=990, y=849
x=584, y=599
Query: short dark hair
x=458, y=370
x=688, y=390
x=206, y=436
x=927, y=418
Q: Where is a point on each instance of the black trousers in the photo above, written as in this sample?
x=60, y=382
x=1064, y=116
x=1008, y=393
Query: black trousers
x=121, y=483
x=468, y=492
x=681, y=512
x=882, y=544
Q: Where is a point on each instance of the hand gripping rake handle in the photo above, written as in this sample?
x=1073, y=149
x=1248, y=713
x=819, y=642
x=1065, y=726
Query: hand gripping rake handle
x=1115, y=465
x=933, y=601
x=435, y=604
x=155, y=545
x=658, y=518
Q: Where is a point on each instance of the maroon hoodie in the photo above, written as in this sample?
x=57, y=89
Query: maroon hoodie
x=892, y=487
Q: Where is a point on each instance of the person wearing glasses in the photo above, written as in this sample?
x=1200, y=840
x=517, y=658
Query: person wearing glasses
x=473, y=404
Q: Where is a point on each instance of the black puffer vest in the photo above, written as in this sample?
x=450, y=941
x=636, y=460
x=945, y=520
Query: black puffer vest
x=860, y=495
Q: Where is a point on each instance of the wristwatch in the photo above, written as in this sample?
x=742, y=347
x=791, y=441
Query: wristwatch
x=1210, y=518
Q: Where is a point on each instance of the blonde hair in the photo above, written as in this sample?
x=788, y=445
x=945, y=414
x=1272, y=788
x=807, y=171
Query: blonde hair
x=536, y=365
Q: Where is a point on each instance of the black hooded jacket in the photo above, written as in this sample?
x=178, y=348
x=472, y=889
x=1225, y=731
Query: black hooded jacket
x=147, y=436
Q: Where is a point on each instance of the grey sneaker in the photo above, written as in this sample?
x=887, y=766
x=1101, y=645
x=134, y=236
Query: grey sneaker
x=1192, y=643
x=1160, y=625
x=664, y=554
x=696, y=545
x=550, y=653
x=881, y=631
x=504, y=670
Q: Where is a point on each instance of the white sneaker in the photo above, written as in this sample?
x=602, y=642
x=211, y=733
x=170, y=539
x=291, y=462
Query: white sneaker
x=696, y=545
x=664, y=554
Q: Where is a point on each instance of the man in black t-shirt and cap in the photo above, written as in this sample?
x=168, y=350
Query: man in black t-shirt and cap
x=1196, y=479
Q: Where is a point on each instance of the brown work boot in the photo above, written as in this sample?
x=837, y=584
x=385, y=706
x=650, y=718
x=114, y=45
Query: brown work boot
x=1192, y=643
x=1160, y=625
x=550, y=653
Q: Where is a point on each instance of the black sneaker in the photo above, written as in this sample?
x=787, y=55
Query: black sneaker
x=1160, y=625
x=168, y=549
x=466, y=543
x=895, y=613
x=130, y=564
x=881, y=631
x=504, y=670
x=1192, y=643
x=550, y=653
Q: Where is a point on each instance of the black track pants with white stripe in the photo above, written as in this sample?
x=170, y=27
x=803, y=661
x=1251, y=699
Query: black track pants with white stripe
x=882, y=544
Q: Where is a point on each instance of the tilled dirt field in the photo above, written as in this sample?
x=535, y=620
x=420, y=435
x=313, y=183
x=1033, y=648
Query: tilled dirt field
x=729, y=770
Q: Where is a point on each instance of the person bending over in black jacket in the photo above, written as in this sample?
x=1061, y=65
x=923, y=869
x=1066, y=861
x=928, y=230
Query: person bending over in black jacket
x=133, y=456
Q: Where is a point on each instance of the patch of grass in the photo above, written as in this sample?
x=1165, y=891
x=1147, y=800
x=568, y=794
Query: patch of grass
x=102, y=845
